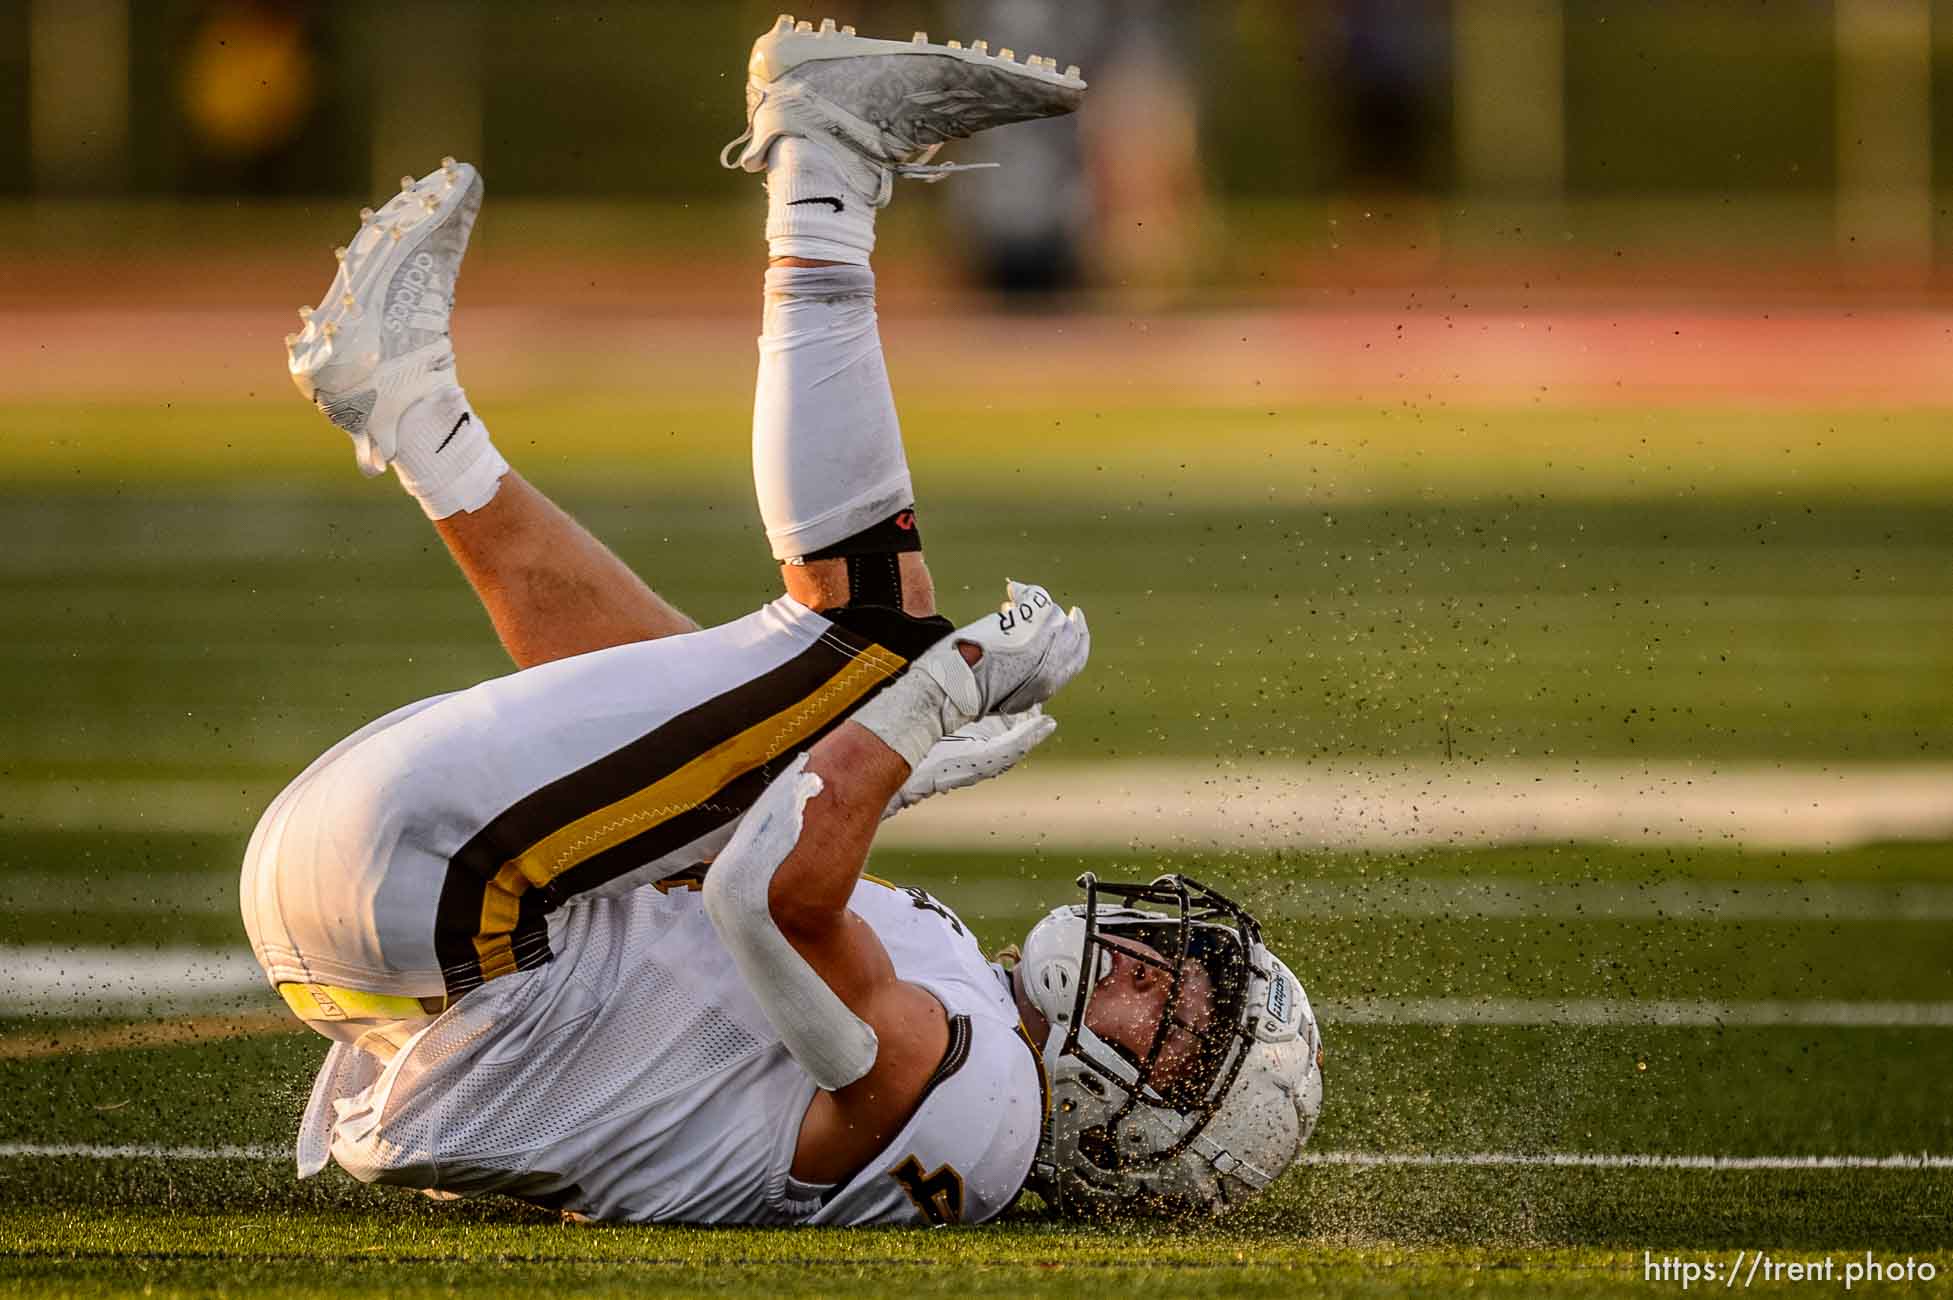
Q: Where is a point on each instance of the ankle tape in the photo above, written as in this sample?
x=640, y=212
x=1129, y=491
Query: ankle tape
x=875, y=579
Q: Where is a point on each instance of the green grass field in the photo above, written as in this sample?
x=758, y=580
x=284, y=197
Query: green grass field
x=184, y=630
x=1711, y=585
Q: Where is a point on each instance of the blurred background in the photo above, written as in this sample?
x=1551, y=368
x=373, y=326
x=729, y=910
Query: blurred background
x=1396, y=192
x=1386, y=140
x=1414, y=255
x=1241, y=146
x=1500, y=444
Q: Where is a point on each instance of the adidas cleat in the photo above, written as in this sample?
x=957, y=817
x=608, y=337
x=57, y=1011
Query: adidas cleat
x=378, y=342
x=890, y=104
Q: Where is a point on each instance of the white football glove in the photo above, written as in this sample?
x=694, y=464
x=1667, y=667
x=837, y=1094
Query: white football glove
x=987, y=747
x=1027, y=651
x=1031, y=648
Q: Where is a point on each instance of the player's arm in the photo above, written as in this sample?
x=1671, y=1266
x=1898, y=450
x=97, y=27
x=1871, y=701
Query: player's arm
x=778, y=894
x=551, y=589
x=874, y=1070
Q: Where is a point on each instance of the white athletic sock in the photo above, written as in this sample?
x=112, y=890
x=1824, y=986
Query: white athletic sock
x=827, y=447
x=445, y=459
x=813, y=210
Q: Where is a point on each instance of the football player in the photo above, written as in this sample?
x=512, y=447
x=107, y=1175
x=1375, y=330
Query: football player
x=597, y=934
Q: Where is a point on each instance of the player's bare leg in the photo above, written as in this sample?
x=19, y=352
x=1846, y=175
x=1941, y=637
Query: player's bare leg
x=550, y=588
x=376, y=356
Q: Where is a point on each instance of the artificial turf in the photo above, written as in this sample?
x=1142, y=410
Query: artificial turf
x=166, y=634
x=413, y=1252
x=198, y=602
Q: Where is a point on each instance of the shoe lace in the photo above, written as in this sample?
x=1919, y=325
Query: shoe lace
x=927, y=173
x=930, y=173
x=726, y=158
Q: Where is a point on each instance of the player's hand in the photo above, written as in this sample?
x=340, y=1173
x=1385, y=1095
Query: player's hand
x=1028, y=650
x=987, y=747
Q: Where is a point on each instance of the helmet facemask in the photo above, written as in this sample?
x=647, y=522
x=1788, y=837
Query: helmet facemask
x=1122, y=1135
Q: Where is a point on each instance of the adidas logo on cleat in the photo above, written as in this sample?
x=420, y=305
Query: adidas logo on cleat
x=407, y=291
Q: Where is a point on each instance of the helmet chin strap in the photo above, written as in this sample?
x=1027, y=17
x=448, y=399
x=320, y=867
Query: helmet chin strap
x=1054, y=1042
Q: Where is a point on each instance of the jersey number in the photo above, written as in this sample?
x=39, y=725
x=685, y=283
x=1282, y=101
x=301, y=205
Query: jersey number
x=928, y=904
x=939, y=1195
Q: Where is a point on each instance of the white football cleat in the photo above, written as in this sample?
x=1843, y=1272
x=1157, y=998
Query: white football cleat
x=379, y=341
x=890, y=104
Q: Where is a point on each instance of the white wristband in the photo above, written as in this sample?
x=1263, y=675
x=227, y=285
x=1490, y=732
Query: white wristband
x=934, y=697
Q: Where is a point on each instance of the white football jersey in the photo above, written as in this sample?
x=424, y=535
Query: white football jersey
x=635, y=1078
x=424, y=854
x=511, y=851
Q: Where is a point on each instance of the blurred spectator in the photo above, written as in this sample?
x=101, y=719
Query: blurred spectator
x=1121, y=179
x=1395, y=89
x=248, y=82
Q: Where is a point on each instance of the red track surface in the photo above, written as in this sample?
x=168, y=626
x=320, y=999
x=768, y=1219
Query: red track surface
x=1889, y=358
x=133, y=329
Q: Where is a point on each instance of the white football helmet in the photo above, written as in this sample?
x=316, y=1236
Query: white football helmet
x=1116, y=1143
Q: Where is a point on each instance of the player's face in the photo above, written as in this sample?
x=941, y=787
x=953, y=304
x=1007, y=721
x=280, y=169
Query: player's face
x=1126, y=1006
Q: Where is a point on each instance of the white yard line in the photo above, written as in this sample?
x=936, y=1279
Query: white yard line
x=1155, y=804
x=1609, y=1012
x=1372, y=896
x=1379, y=895
x=1164, y=804
x=1357, y=1159
x=1582, y=1160
x=78, y=1151
x=86, y=982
